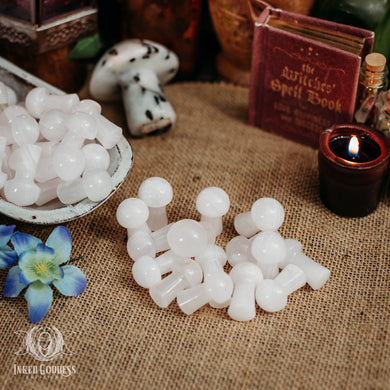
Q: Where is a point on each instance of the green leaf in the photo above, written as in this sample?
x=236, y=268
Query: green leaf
x=359, y=13
x=86, y=48
x=382, y=36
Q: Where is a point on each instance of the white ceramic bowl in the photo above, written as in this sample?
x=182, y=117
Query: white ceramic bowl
x=54, y=212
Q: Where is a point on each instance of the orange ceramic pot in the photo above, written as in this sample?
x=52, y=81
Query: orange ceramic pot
x=233, y=24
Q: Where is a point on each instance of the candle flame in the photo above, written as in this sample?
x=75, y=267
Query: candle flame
x=353, y=147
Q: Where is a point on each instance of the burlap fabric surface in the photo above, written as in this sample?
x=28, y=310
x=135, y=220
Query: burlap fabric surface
x=333, y=338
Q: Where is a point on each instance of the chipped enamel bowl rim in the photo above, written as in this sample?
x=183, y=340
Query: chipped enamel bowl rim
x=121, y=161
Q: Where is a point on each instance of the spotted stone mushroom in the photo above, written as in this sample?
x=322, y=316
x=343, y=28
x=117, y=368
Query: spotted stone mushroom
x=137, y=70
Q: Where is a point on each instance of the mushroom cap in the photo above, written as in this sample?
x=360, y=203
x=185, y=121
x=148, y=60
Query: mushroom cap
x=237, y=250
x=268, y=248
x=269, y=296
x=246, y=272
x=213, y=202
x=220, y=287
x=36, y=100
x=187, y=238
x=212, y=252
x=146, y=272
x=132, y=213
x=128, y=56
x=190, y=270
x=293, y=247
x=155, y=192
x=139, y=244
x=267, y=214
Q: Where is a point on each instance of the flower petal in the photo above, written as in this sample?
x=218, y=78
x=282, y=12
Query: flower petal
x=73, y=282
x=13, y=286
x=24, y=242
x=55, y=272
x=39, y=298
x=61, y=241
x=8, y=257
x=45, y=251
x=5, y=234
x=36, y=264
x=27, y=280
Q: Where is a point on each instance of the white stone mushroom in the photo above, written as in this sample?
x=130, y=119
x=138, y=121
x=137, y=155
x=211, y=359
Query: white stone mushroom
x=138, y=68
x=7, y=96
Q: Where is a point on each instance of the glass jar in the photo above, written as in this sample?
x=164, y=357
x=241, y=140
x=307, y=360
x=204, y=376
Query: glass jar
x=372, y=80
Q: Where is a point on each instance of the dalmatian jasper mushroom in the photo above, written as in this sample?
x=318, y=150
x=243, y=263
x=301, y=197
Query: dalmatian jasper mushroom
x=137, y=70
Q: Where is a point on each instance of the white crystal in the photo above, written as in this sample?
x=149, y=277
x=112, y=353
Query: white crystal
x=212, y=259
x=71, y=192
x=48, y=191
x=217, y=288
x=184, y=275
x=108, y=133
x=141, y=244
x=25, y=129
x=88, y=106
x=45, y=169
x=146, y=272
x=187, y=238
x=68, y=162
x=6, y=119
x=316, y=274
x=97, y=184
x=238, y=250
x=52, y=125
x=132, y=213
x=157, y=193
x=267, y=214
x=213, y=203
x=271, y=295
x=160, y=238
x=96, y=156
x=39, y=100
x=244, y=225
x=269, y=250
x=7, y=95
x=84, y=125
x=21, y=192
x=3, y=157
x=167, y=260
x=12, y=98
x=246, y=276
x=24, y=160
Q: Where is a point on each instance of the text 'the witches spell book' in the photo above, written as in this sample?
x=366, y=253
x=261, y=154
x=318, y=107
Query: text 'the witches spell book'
x=305, y=74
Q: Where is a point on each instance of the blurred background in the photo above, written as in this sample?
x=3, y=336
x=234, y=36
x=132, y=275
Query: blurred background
x=60, y=40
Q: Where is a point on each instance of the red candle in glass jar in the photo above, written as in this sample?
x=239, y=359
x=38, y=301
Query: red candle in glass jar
x=353, y=161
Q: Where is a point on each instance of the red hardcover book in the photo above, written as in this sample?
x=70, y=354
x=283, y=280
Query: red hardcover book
x=305, y=73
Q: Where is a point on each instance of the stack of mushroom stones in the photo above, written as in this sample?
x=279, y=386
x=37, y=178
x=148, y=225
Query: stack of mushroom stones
x=181, y=261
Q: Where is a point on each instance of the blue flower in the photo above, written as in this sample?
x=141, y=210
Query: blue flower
x=8, y=256
x=41, y=265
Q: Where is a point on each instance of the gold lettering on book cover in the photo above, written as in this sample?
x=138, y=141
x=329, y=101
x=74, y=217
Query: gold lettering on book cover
x=305, y=85
x=308, y=59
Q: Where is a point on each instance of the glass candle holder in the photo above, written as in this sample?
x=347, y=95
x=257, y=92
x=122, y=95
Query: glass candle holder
x=351, y=181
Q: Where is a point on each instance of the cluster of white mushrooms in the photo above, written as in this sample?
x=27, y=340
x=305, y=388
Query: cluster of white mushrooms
x=181, y=260
x=54, y=146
